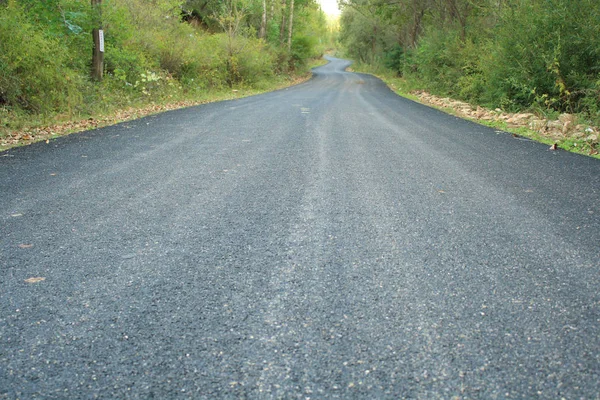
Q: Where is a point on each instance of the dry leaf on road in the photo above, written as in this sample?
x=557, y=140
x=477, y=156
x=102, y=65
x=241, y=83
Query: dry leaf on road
x=35, y=279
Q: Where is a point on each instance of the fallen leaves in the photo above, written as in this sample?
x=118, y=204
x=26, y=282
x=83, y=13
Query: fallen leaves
x=49, y=132
x=35, y=279
x=46, y=133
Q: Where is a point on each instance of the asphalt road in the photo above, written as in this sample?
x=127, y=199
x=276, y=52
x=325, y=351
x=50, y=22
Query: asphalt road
x=330, y=240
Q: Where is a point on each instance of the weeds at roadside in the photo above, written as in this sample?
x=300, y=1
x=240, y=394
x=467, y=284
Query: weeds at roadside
x=583, y=140
x=46, y=129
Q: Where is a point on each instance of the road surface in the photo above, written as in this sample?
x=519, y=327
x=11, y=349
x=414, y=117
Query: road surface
x=330, y=240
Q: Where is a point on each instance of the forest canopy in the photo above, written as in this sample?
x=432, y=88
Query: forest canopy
x=512, y=54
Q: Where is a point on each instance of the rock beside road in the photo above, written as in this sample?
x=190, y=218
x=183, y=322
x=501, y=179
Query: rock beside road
x=563, y=128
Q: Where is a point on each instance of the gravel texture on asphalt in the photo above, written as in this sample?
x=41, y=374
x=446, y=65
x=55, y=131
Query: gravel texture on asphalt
x=330, y=240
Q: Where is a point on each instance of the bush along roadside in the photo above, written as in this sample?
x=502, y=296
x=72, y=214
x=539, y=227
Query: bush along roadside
x=53, y=128
x=539, y=57
x=565, y=131
x=175, y=53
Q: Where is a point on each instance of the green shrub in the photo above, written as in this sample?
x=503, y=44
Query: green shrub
x=437, y=62
x=302, y=50
x=255, y=62
x=151, y=54
x=546, y=54
x=33, y=72
x=123, y=62
x=394, y=59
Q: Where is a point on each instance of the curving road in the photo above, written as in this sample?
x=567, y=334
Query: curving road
x=330, y=240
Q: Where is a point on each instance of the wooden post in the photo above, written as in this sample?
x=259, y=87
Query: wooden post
x=98, y=53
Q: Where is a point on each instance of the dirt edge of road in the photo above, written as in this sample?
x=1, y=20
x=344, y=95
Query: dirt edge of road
x=562, y=133
x=47, y=133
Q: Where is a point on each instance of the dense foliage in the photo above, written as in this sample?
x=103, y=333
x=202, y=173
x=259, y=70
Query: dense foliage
x=513, y=54
x=154, y=50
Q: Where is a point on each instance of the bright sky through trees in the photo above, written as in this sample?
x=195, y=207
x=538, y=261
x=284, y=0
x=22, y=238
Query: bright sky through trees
x=330, y=7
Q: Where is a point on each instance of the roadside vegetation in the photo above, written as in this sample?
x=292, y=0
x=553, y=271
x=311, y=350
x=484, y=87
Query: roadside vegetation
x=159, y=54
x=537, y=60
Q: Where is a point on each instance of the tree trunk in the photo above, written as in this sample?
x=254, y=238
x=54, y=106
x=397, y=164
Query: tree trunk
x=416, y=28
x=456, y=14
x=263, y=22
x=98, y=53
x=282, y=27
x=373, y=44
x=291, y=25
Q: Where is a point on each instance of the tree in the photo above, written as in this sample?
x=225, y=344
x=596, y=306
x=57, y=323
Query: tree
x=282, y=26
x=291, y=25
x=263, y=22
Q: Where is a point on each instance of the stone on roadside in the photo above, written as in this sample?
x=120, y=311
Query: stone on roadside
x=539, y=125
x=567, y=127
x=555, y=128
x=564, y=118
x=522, y=119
